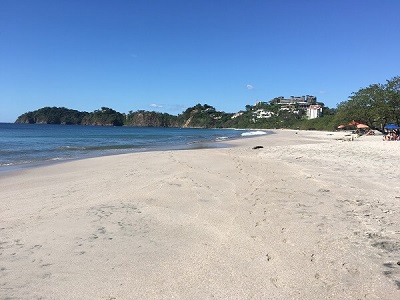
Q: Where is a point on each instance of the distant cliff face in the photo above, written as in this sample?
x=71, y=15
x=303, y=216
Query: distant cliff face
x=52, y=115
x=200, y=116
x=25, y=119
x=61, y=115
x=104, y=117
x=151, y=119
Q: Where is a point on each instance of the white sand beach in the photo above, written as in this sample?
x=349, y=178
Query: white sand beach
x=307, y=216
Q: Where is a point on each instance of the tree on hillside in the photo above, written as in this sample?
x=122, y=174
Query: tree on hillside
x=151, y=119
x=105, y=117
x=375, y=105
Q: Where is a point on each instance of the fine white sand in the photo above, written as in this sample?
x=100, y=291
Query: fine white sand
x=307, y=216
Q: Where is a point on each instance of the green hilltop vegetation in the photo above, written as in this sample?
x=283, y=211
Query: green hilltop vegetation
x=198, y=116
x=375, y=106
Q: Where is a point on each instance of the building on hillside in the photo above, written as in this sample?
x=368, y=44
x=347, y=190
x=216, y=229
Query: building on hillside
x=302, y=102
x=238, y=114
x=294, y=104
x=263, y=114
x=314, y=111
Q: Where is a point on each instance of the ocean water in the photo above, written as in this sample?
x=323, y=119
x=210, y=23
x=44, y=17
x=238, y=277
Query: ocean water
x=27, y=145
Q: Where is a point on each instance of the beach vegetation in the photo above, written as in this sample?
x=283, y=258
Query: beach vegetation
x=375, y=105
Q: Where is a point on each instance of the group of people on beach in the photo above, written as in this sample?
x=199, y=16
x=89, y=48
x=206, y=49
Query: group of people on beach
x=392, y=135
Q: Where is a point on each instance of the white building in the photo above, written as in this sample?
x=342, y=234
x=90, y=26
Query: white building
x=263, y=114
x=314, y=111
x=237, y=115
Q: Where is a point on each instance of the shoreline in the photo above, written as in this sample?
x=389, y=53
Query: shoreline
x=7, y=169
x=305, y=217
x=201, y=144
x=28, y=145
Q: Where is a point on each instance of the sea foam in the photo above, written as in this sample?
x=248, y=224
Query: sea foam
x=250, y=133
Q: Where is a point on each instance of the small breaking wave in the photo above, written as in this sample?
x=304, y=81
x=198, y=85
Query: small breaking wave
x=251, y=133
x=15, y=163
x=97, y=147
x=6, y=164
x=72, y=148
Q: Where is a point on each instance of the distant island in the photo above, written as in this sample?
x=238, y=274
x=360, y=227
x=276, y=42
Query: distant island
x=293, y=112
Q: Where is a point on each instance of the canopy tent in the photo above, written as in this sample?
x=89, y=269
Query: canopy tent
x=391, y=126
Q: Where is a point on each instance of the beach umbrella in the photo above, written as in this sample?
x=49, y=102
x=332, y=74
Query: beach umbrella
x=362, y=126
x=391, y=126
x=341, y=126
x=354, y=123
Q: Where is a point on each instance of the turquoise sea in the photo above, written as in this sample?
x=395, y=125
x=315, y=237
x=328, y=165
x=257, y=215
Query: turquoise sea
x=27, y=145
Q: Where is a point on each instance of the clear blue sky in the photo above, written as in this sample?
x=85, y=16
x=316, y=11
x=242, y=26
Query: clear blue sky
x=167, y=55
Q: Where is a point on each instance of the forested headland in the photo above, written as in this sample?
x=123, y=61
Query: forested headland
x=198, y=116
x=375, y=106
